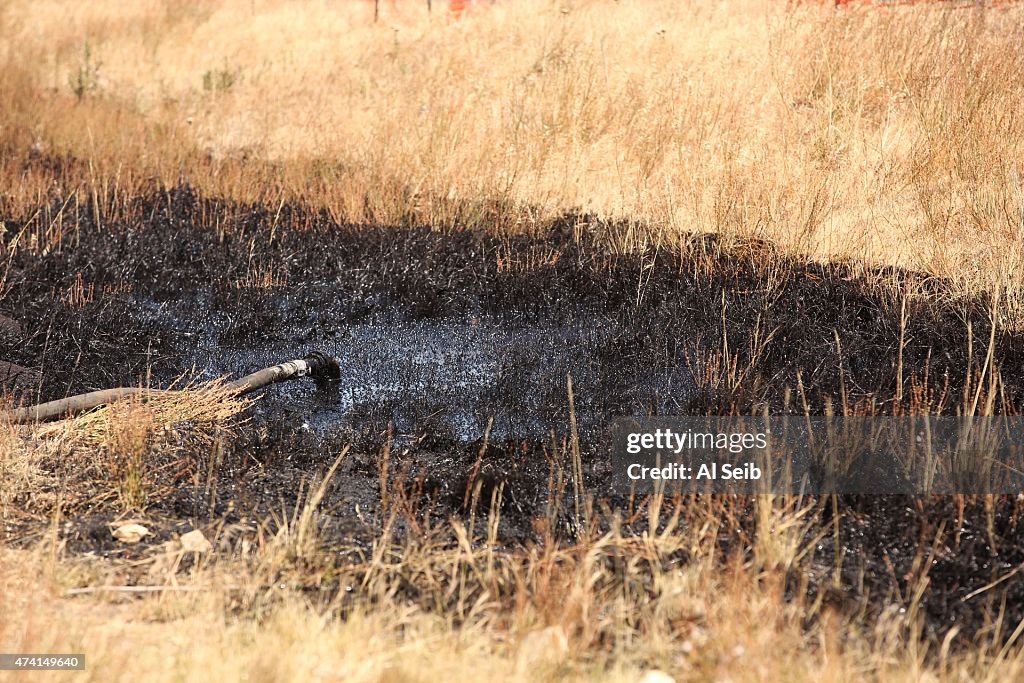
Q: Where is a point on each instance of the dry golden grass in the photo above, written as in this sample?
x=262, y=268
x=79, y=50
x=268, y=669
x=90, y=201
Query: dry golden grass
x=124, y=451
x=609, y=608
x=430, y=602
x=887, y=136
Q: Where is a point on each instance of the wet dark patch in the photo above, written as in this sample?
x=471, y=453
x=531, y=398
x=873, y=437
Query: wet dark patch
x=441, y=334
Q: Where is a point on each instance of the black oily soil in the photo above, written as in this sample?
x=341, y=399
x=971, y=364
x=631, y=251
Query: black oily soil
x=164, y=289
x=446, y=336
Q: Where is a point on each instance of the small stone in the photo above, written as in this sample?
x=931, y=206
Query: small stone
x=195, y=542
x=130, y=533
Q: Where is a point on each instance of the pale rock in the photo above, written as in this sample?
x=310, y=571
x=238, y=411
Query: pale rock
x=195, y=542
x=130, y=533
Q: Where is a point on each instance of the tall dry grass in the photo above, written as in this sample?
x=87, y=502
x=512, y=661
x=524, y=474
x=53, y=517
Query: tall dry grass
x=891, y=136
x=701, y=587
x=438, y=605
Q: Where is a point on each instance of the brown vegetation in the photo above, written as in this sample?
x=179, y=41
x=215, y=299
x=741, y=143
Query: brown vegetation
x=887, y=136
x=890, y=137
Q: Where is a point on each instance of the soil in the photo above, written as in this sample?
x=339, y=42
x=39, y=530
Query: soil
x=441, y=334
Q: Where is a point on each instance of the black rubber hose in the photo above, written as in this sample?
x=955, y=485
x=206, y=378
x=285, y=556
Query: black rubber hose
x=317, y=365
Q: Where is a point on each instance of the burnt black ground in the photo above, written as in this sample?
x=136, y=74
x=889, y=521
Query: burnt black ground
x=441, y=332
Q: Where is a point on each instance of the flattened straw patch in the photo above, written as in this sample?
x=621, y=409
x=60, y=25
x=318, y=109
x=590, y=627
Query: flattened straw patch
x=203, y=404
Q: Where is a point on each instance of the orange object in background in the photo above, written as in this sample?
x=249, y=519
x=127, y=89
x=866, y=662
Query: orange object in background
x=393, y=10
x=894, y=3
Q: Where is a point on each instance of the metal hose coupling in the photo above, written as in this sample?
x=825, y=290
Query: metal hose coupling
x=315, y=364
x=322, y=367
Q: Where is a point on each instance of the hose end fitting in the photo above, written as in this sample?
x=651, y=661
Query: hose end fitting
x=322, y=367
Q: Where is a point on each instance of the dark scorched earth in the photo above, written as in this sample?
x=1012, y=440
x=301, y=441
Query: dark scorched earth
x=440, y=334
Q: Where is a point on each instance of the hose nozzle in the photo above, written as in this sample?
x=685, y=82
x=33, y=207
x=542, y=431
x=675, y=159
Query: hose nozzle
x=322, y=367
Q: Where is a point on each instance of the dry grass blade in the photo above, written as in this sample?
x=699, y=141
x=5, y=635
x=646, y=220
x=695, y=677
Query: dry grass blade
x=887, y=136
